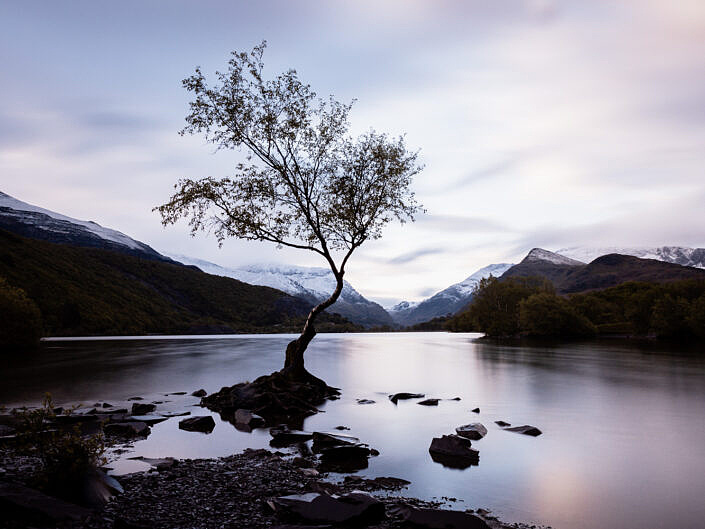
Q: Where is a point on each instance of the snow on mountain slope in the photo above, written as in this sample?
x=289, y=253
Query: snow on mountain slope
x=39, y=223
x=311, y=283
x=671, y=254
x=447, y=301
x=539, y=254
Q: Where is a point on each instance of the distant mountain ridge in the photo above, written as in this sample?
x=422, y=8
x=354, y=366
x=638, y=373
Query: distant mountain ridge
x=310, y=283
x=39, y=223
x=681, y=255
x=447, y=301
x=572, y=276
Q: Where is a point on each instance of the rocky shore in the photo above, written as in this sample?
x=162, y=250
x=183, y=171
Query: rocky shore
x=247, y=490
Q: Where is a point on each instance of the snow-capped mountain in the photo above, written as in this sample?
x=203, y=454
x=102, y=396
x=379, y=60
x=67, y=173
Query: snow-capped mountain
x=447, y=301
x=39, y=223
x=670, y=254
x=541, y=255
x=311, y=283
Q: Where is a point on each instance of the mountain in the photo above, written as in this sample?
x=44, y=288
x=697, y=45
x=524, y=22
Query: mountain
x=309, y=283
x=447, y=301
x=93, y=291
x=670, y=254
x=39, y=223
x=572, y=276
x=614, y=269
x=539, y=262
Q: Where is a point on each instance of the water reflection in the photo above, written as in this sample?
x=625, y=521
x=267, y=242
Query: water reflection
x=623, y=423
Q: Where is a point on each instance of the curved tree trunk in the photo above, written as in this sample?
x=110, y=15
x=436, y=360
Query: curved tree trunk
x=294, y=362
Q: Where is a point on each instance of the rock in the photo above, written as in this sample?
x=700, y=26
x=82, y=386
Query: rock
x=135, y=398
x=311, y=472
x=199, y=393
x=202, y=423
x=247, y=417
x=283, y=436
x=526, y=430
x=429, y=402
x=365, y=401
x=75, y=418
x=380, y=483
x=6, y=430
x=176, y=393
x=27, y=507
x=474, y=431
x=323, y=440
x=455, y=398
x=106, y=405
x=453, y=451
x=142, y=409
x=440, y=519
x=342, y=428
x=475, y=410
x=158, y=463
x=147, y=419
x=276, y=397
x=127, y=429
x=354, y=509
x=405, y=396
x=502, y=423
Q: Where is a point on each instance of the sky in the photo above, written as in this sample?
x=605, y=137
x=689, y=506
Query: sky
x=539, y=123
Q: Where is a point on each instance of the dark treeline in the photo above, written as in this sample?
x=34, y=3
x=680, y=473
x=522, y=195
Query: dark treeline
x=49, y=289
x=531, y=307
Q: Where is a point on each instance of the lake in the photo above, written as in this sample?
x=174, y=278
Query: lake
x=624, y=423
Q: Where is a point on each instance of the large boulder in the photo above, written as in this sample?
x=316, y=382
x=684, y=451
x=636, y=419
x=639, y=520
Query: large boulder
x=24, y=507
x=474, y=431
x=440, y=519
x=526, y=430
x=202, y=423
x=453, y=451
x=354, y=509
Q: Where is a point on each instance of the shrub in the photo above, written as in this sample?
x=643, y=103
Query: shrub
x=67, y=457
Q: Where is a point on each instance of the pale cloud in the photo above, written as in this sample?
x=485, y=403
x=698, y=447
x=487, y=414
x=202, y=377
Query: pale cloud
x=539, y=122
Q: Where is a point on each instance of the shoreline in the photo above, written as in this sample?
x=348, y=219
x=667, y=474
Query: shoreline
x=239, y=491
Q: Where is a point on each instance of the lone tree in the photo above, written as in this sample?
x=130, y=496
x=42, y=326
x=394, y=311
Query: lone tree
x=307, y=184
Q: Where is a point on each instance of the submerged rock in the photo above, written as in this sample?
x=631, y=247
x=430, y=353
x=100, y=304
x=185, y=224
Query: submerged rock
x=475, y=410
x=405, y=396
x=365, y=401
x=526, y=430
x=142, y=409
x=247, y=417
x=127, y=429
x=202, y=423
x=323, y=440
x=502, y=424
x=283, y=436
x=429, y=402
x=199, y=393
x=148, y=419
x=474, y=431
x=453, y=451
x=354, y=509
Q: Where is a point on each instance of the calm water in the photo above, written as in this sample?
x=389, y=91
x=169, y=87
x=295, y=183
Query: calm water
x=624, y=426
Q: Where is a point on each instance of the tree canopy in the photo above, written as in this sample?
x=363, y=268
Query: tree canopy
x=307, y=183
